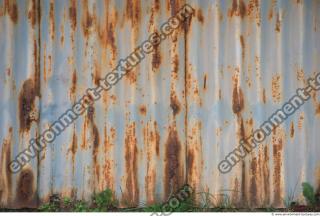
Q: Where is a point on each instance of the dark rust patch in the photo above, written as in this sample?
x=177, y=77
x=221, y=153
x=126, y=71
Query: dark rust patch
x=74, y=145
x=143, y=110
x=73, y=14
x=291, y=130
x=200, y=16
x=96, y=138
x=25, y=186
x=27, y=97
x=74, y=82
x=156, y=57
x=190, y=163
x=157, y=5
x=278, y=23
x=205, y=82
x=173, y=169
x=253, y=183
x=243, y=46
x=237, y=100
x=174, y=104
x=131, y=164
x=242, y=9
x=10, y=8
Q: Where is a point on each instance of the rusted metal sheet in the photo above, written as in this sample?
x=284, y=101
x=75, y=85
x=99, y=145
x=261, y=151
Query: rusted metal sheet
x=175, y=116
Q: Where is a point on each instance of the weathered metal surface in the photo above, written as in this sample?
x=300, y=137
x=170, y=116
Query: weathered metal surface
x=174, y=117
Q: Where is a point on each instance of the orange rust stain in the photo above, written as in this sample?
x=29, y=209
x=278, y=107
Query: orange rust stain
x=291, y=130
x=25, y=186
x=10, y=8
x=318, y=110
x=276, y=88
x=133, y=12
x=243, y=46
x=109, y=163
x=300, y=121
x=107, y=30
x=174, y=104
x=33, y=13
x=173, y=175
x=143, y=110
x=300, y=75
x=131, y=165
x=174, y=6
x=277, y=143
x=254, y=182
x=270, y=14
x=73, y=14
x=151, y=144
x=200, y=16
x=278, y=23
x=190, y=163
x=27, y=98
x=237, y=9
x=237, y=100
x=51, y=20
x=157, y=5
x=6, y=176
x=176, y=64
x=87, y=21
x=266, y=174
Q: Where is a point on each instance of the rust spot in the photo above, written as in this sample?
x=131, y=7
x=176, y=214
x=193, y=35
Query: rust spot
x=33, y=13
x=131, y=164
x=276, y=91
x=277, y=141
x=243, y=46
x=10, y=7
x=174, y=104
x=264, y=97
x=74, y=145
x=176, y=64
x=173, y=169
x=205, y=82
x=156, y=57
x=27, y=97
x=73, y=14
x=237, y=100
x=278, y=23
x=143, y=110
x=200, y=16
x=157, y=5
x=74, y=82
x=291, y=130
x=25, y=186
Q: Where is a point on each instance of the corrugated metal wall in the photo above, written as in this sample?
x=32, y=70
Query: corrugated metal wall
x=170, y=120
